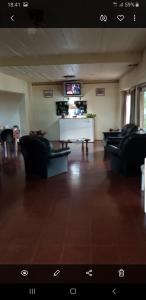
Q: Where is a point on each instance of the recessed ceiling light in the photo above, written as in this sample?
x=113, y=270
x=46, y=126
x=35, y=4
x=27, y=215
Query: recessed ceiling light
x=132, y=65
x=69, y=76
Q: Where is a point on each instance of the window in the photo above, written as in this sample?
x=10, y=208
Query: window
x=144, y=117
x=128, y=108
x=143, y=107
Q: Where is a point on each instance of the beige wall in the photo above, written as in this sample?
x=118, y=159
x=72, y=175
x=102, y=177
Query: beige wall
x=17, y=88
x=105, y=107
x=37, y=112
x=136, y=76
x=9, y=109
x=43, y=110
x=133, y=78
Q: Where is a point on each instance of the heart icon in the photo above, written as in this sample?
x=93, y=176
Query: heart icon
x=120, y=17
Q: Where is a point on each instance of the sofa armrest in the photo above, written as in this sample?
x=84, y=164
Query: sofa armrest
x=114, y=138
x=60, y=150
x=112, y=141
x=59, y=153
x=109, y=134
x=113, y=149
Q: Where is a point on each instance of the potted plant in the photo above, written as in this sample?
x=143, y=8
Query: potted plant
x=90, y=115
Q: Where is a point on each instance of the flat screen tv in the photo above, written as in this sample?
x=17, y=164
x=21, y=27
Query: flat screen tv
x=72, y=89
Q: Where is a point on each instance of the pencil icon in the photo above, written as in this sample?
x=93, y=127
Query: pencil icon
x=56, y=273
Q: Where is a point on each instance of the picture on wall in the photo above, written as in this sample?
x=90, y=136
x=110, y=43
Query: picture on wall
x=48, y=93
x=100, y=91
x=81, y=107
x=62, y=107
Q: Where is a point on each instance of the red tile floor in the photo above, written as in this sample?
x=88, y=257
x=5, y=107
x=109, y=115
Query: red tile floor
x=85, y=216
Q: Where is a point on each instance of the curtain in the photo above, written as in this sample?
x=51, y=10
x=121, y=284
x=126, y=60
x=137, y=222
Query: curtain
x=133, y=106
x=138, y=105
x=123, y=112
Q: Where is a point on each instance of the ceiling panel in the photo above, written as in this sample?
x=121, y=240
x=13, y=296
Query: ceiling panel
x=56, y=73
x=23, y=42
x=18, y=41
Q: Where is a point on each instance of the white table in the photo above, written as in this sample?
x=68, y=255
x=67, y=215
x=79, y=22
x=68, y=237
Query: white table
x=143, y=182
x=142, y=177
x=76, y=129
x=144, y=186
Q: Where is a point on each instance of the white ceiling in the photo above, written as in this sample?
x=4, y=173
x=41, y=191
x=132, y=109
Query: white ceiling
x=43, y=55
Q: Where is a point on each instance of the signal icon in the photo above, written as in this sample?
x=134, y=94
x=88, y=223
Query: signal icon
x=137, y=4
x=115, y=4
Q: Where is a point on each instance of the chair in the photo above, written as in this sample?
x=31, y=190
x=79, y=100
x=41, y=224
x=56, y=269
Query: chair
x=37, y=132
x=7, y=136
x=129, y=156
x=7, y=142
x=129, y=129
x=41, y=159
x=115, y=137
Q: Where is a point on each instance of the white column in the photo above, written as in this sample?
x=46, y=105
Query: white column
x=5, y=150
x=145, y=185
x=16, y=148
x=142, y=177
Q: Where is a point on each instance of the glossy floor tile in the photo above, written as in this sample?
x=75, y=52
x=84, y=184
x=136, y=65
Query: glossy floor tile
x=88, y=215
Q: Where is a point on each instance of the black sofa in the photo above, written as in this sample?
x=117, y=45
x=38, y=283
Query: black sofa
x=41, y=159
x=6, y=135
x=115, y=137
x=129, y=156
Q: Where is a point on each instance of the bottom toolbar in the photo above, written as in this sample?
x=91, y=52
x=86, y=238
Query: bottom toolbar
x=62, y=291
x=98, y=274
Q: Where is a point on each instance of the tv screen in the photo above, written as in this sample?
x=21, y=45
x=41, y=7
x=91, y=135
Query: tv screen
x=72, y=89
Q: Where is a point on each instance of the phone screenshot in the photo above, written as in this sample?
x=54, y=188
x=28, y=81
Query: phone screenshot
x=72, y=149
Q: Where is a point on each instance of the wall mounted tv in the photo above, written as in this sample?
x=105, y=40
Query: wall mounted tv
x=72, y=89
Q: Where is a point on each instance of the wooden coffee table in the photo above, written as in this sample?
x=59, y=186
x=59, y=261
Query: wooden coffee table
x=84, y=142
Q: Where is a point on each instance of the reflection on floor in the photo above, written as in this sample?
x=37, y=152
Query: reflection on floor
x=85, y=216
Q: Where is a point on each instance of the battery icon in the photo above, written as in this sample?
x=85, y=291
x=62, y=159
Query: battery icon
x=25, y=4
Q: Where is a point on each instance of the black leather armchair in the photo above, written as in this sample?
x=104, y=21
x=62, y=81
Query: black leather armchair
x=114, y=138
x=41, y=159
x=129, y=129
x=7, y=136
x=129, y=156
x=7, y=140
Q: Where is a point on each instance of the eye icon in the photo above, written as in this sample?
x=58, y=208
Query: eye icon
x=24, y=273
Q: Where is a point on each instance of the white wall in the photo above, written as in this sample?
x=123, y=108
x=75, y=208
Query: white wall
x=36, y=112
x=9, y=109
x=136, y=76
x=131, y=79
x=43, y=110
x=20, y=90
x=105, y=107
